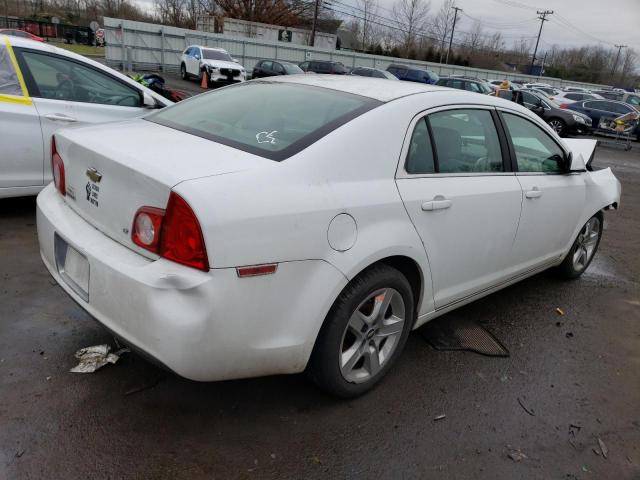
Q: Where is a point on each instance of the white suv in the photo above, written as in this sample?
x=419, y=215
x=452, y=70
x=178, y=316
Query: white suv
x=216, y=61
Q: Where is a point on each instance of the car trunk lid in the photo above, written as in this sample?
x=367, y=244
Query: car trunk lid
x=113, y=170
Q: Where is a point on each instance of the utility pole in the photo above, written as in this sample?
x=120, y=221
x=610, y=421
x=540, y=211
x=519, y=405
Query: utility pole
x=615, y=64
x=453, y=29
x=444, y=37
x=312, y=40
x=543, y=18
x=544, y=60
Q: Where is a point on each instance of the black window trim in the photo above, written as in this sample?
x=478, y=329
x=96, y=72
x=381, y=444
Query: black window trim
x=507, y=162
x=294, y=148
x=34, y=91
x=512, y=151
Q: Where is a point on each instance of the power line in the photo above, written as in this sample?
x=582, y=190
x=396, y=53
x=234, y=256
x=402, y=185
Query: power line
x=341, y=4
x=507, y=25
x=419, y=33
x=513, y=3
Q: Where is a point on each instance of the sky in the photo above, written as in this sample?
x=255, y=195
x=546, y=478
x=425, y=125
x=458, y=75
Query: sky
x=610, y=21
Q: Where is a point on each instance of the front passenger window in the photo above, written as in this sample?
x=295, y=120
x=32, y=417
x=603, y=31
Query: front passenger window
x=535, y=150
x=57, y=78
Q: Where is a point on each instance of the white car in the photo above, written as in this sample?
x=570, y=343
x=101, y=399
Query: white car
x=577, y=89
x=309, y=222
x=44, y=88
x=220, y=67
x=571, y=97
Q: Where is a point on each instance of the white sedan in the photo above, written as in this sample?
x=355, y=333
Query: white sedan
x=44, y=88
x=310, y=222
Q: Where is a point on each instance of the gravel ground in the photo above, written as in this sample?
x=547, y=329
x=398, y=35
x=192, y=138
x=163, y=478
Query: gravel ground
x=576, y=373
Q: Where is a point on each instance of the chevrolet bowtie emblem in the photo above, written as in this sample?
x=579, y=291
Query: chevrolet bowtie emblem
x=94, y=175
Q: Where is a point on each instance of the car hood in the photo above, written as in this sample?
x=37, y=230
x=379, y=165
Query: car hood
x=222, y=64
x=579, y=114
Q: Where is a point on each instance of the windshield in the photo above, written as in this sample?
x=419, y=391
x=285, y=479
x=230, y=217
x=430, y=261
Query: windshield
x=389, y=75
x=216, y=55
x=271, y=119
x=292, y=69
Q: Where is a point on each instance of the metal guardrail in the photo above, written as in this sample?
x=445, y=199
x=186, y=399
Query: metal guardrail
x=145, y=46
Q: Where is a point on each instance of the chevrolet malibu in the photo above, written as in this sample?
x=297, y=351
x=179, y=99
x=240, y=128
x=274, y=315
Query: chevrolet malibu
x=309, y=223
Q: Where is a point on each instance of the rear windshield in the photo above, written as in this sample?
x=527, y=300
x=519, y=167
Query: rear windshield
x=271, y=119
x=292, y=69
x=216, y=55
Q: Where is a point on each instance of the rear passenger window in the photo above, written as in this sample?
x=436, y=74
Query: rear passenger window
x=466, y=141
x=420, y=155
x=535, y=150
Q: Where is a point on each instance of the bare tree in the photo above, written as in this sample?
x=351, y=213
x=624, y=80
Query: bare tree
x=369, y=9
x=442, y=24
x=628, y=66
x=412, y=15
x=172, y=12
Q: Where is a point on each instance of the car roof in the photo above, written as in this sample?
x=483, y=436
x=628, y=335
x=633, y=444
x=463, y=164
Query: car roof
x=377, y=88
x=208, y=48
x=33, y=45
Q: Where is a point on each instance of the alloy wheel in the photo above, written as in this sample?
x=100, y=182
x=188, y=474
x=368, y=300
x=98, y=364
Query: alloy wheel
x=557, y=126
x=372, y=335
x=586, y=244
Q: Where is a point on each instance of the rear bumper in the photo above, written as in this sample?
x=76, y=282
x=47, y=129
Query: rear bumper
x=202, y=325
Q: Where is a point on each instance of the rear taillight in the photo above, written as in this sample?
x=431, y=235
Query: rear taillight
x=57, y=167
x=174, y=233
x=181, y=237
x=147, y=225
x=564, y=105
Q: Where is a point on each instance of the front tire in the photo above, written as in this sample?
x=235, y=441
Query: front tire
x=559, y=126
x=183, y=72
x=364, y=332
x=583, y=249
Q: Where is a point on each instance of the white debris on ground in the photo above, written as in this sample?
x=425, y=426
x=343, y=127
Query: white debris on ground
x=96, y=357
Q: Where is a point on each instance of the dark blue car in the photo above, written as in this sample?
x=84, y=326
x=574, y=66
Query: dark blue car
x=413, y=74
x=597, y=109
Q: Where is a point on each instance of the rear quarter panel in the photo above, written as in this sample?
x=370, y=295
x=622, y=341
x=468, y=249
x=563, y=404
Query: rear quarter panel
x=282, y=212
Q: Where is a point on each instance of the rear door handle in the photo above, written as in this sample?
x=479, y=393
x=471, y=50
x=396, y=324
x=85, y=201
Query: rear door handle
x=533, y=193
x=438, y=203
x=59, y=117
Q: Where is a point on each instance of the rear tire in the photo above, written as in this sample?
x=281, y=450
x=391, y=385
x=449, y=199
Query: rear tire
x=183, y=72
x=364, y=332
x=584, y=248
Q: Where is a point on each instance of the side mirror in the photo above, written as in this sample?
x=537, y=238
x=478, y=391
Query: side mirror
x=538, y=109
x=148, y=101
x=576, y=163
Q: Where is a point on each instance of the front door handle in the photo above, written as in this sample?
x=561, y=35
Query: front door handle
x=59, y=117
x=438, y=203
x=533, y=193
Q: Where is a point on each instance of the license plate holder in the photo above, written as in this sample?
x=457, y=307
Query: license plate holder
x=72, y=266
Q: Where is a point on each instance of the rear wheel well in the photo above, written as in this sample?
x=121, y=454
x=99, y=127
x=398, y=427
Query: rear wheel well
x=410, y=269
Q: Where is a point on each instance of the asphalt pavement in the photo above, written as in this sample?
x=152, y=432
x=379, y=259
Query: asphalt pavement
x=569, y=390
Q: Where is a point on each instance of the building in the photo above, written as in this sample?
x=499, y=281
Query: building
x=272, y=33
